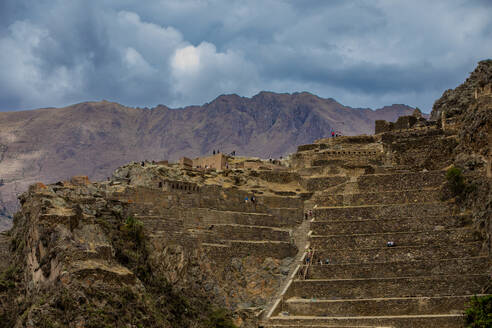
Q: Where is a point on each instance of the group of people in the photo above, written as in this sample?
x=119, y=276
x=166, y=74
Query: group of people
x=275, y=161
x=232, y=153
x=310, y=258
x=335, y=133
x=252, y=199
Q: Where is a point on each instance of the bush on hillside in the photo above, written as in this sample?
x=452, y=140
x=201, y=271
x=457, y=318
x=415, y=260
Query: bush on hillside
x=219, y=318
x=456, y=181
x=134, y=228
x=479, y=312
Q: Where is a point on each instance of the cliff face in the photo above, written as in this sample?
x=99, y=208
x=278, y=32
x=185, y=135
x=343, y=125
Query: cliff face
x=467, y=112
x=95, y=138
x=455, y=102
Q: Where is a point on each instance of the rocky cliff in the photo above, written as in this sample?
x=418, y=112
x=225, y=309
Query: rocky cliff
x=155, y=246
x=467, y=111
x=95, y=138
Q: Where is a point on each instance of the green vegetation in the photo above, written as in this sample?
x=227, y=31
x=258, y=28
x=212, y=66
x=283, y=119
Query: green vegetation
x=219, y=318
x=457, y=184
x=134, y=228
x=479, y=312
x=456, y=181
x=7, y=278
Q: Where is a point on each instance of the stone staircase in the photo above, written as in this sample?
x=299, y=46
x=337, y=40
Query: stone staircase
x=436, y=265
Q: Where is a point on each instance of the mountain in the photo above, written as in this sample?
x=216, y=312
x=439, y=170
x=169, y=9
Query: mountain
x=94, y=138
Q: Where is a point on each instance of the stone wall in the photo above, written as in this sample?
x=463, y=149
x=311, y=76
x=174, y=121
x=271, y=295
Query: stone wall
x=185, y=162
x=170, y=185
x=429, y=148
x=339, y=151
x=217, y=162
x=403, y=123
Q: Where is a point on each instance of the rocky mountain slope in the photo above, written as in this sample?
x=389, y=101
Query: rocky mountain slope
x=468, y=110
x=94, y=138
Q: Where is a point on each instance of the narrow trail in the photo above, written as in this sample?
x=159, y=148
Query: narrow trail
x=301, y=240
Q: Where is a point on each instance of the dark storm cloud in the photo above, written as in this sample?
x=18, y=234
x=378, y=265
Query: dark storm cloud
x=181, y=52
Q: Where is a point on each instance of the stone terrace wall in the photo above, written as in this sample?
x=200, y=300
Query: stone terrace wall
x=339, y=151
x=418, y=149
x=178, y=211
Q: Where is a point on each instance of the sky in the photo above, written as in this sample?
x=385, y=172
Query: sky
x=374, y=53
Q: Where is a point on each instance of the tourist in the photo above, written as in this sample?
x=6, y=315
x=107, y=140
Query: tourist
x=246, y=200
x=309, y=255
x=213, y=152
x=333, y=134
x=390, y=244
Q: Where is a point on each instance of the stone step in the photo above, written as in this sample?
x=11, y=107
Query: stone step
x=379, y=197
x=240, y=248
x=442, y=285
x=331, y=227
x=377, y=306
x=400, y=253
x=289, y=216
x=157, y=223
x=322, y=183
x=406, y=321
x=459, y=266
x=281, y=201
x=393, y=211
x=207, y=217
x=441, y=237
x=246, y=232
x=400, y=181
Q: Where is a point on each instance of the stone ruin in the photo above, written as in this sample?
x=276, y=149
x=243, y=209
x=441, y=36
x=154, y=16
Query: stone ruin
x=370, y=192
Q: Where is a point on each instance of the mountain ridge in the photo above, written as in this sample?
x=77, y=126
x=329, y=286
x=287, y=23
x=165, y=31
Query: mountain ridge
x=93, y=138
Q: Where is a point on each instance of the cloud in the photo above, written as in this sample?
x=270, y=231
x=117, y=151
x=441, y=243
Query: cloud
x=24, y=77
x=181, y=52
x=203, y=73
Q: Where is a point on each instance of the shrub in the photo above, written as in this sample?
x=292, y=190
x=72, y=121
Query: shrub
x=218, y=318
x=8, y=277
x=479, y=312
x=134, y=228
x=456, y=181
